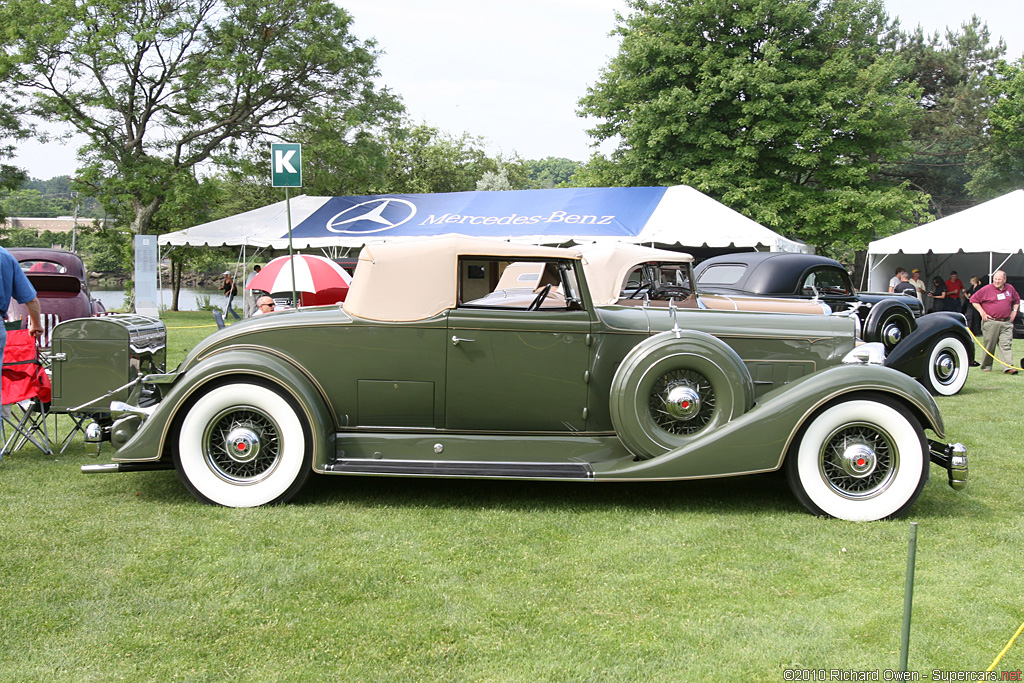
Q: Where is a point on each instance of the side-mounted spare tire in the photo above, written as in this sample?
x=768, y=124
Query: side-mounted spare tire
x=889, y=322
x=674, y=387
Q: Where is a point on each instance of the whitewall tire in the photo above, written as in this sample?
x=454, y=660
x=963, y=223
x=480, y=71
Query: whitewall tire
x=860, y=459
x=243, y=445
x=947, y=368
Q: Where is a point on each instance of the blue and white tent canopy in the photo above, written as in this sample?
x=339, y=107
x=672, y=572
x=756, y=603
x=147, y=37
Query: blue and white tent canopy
x=676, y=216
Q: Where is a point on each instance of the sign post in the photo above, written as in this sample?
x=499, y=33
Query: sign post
x=286, y=172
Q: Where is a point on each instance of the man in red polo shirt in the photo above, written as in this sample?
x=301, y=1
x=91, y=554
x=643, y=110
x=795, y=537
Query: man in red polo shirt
x=997, y=303
x=954, y=291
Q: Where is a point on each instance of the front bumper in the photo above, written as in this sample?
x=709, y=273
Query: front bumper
x=952, y=457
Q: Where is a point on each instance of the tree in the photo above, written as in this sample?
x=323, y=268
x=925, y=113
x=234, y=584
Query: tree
x=494, y=181
x=999, y=167
x=426, y=159
x=11, y=177
x=781, y=109
x=160, y=87
x=956, y=81
x=551, y=171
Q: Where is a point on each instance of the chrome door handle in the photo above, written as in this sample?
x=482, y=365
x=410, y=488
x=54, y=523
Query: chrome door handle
x=456, y=340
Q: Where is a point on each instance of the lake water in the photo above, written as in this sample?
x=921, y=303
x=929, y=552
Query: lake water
x=188, y=299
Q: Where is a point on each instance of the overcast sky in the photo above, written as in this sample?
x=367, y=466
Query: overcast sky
x=513, y=72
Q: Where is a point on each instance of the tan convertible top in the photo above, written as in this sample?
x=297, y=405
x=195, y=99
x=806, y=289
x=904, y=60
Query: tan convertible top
x=608, y=264
x=415, y=280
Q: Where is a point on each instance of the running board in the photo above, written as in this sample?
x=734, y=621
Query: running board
x=471, y=470
x=127, y=467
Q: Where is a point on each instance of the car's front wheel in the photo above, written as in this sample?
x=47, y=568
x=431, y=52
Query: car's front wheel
x=947, y=368
x=860, y=459
x=243, y=445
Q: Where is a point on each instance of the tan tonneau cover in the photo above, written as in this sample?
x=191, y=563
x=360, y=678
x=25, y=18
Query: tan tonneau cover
x=417, y=279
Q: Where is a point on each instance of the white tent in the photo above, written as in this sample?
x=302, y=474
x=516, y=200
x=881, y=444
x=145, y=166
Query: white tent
x=676, y=216
x=976, y=241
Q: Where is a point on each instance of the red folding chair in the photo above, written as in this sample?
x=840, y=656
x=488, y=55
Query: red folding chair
x=25, y=394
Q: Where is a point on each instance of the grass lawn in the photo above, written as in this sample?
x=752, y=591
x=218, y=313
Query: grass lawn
x=125, y=577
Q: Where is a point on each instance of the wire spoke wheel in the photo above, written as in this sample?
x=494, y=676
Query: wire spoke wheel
x=858, y=461
x=682, y=402
x=242, y=445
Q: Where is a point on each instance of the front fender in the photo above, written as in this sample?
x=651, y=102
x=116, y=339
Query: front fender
x=758, y=440
x=150, y=442
x=910, y=356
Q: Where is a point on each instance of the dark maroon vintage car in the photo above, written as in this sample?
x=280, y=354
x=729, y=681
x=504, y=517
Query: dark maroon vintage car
x=60, y=282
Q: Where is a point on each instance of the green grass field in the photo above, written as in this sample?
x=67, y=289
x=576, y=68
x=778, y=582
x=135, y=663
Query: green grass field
x=124, y=577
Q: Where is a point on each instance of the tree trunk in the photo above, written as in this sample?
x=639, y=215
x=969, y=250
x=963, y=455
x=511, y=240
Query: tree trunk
x=144, y=215
x=176, y=268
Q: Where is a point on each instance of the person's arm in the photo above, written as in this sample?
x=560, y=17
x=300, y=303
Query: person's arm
x=981, y=311
x=35, y=324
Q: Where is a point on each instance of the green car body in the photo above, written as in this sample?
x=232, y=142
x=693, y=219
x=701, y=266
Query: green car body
x=525, y=383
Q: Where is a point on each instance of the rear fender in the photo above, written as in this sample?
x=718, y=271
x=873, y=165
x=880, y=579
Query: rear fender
x=758, y=440
x=154, y=438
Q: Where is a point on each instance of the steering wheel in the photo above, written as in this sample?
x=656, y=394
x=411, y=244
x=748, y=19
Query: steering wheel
x=539, y=299
x=640, y=288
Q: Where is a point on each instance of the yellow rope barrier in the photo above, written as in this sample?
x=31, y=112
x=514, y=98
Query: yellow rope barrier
x=987, y=352
x=993, y=665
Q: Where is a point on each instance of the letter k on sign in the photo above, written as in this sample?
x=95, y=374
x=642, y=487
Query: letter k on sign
x=286, y=164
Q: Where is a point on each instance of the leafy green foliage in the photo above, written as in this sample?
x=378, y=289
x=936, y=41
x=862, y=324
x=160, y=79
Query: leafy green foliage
x=551, y=172
x=781, y=110
x=956, y=77
x=1000, y=167
x=11, y=177
x=158, y=88
x=426, y=159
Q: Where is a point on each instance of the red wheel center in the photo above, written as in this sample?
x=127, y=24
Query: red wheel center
x=861, y=462
x=240, y=446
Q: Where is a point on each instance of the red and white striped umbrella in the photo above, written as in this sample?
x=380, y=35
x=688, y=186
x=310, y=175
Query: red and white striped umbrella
x=312, y=274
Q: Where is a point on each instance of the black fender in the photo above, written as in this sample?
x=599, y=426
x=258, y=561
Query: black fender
x=886, y=314
x=911, y=355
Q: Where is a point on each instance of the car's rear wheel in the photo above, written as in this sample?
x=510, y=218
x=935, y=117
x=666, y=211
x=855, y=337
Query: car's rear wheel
x=947, y=368
x=669, y=391
x=243, y=445
x=859, y=459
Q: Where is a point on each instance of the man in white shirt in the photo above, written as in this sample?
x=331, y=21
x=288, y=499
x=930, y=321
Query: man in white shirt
x=915, y=279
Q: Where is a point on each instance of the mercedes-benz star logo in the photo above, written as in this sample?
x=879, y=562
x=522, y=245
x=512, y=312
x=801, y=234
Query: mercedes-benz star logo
x=375, y=215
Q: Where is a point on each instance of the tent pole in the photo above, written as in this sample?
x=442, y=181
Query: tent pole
x=291, y=256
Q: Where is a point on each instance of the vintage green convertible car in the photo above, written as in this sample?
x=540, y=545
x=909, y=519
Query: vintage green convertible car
x=460, y=357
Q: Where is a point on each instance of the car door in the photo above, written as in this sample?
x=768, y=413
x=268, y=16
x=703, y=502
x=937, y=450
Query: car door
x=515, y=367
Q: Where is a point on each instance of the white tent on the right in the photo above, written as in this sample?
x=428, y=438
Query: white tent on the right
x=976, y=241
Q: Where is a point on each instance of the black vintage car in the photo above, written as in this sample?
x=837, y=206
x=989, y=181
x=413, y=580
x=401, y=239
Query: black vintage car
x=942, y=349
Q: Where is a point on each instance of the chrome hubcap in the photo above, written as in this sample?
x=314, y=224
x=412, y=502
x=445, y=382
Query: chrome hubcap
x=945, y=367
x=682, y=402
x=242, y=444
x=858, y=460
x=892, y=334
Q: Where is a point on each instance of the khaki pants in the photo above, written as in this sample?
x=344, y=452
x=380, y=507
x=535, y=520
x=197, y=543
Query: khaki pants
x=995, y=335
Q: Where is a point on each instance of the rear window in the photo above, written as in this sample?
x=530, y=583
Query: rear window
x=724, y=274
x=43, y=267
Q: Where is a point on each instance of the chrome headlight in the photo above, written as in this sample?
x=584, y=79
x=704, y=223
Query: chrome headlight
x=872, y=353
